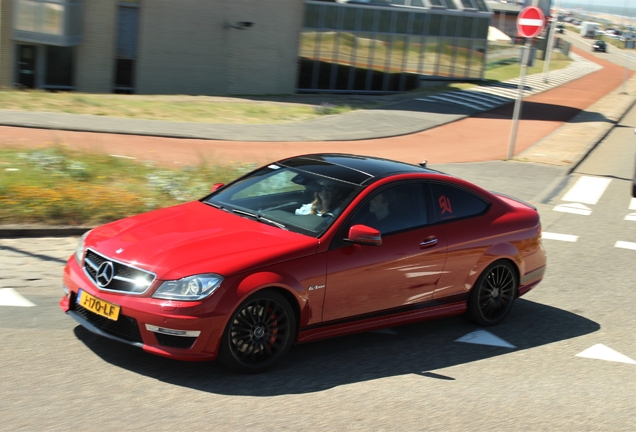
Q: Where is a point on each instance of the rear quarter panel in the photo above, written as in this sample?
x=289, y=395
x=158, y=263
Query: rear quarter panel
x=508, y=230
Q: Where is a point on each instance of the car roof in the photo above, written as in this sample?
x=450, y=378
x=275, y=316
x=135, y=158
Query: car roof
x=360, y=170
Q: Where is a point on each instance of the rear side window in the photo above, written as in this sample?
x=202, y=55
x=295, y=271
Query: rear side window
x=450, y=202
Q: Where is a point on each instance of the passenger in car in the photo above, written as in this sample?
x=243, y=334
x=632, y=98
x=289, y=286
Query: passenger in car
x=326, y=200
x=380, y=216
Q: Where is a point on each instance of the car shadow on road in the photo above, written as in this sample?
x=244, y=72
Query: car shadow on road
x=419, y=349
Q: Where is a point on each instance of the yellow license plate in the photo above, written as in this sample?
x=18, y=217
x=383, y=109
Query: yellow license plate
x=100, y=307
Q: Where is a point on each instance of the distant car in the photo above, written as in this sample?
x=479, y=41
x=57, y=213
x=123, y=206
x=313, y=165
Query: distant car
x=560, y=28
x=302, y=249
x=599, y=45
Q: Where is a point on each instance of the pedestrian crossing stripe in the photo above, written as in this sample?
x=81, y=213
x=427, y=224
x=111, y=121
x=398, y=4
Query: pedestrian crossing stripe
x=587, y=190
x=10, y=297
x=574, y=208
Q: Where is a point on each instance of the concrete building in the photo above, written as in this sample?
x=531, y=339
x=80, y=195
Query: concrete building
x=207, y=47
x=234, y=47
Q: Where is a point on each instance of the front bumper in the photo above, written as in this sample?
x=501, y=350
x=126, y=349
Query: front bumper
x=178, y=330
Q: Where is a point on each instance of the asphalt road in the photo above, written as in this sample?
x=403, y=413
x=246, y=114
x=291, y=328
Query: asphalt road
x=55, y=375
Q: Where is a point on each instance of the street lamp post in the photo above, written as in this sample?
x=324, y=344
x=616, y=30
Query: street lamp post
x=550, y=43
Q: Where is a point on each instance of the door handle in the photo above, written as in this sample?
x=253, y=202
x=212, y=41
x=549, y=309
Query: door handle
x=428, y=242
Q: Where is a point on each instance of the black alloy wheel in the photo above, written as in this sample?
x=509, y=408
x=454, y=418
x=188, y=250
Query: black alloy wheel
x=260, y=332
x=492, y=296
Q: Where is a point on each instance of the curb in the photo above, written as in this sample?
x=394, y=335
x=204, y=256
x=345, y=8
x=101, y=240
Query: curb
x=12, y=231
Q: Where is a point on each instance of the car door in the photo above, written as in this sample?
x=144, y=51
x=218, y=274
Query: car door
x=462, y=215
x=400, y=274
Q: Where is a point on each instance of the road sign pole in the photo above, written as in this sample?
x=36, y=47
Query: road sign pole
x=530, y=23
x=525, y=54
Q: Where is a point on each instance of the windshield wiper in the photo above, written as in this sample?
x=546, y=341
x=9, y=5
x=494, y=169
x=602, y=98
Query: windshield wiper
x=217, y=206
x=260, y=218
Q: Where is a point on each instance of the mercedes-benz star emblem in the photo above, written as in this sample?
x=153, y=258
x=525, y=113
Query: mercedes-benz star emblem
x=105, y=273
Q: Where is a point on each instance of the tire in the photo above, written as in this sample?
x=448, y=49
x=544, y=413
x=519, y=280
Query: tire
x=259, y=333
x=492, y=296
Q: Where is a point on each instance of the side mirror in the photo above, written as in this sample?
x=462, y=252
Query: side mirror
x=362, y=234
x=217, y=186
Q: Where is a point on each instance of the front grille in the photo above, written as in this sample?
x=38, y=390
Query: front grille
x=125, y=327
x=175, y=341
x=125, y=278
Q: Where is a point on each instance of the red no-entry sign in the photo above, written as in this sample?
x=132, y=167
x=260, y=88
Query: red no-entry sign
x=530, y=22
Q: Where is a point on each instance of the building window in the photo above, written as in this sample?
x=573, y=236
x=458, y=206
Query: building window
x=59, y=68
x=127, y=29
x=47, y=22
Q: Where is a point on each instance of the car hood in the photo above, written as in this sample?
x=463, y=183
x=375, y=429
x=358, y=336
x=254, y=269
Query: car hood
x=195, y=238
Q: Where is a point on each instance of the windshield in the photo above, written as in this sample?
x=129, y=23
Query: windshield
x=288, y=198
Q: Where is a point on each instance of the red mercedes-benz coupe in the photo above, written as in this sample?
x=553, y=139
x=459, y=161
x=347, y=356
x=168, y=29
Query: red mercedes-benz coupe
x=302, y=249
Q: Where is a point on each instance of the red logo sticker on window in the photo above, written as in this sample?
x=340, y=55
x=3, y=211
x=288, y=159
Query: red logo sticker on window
x=445, y=205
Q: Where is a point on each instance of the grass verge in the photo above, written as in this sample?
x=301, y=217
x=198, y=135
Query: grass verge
x=224, y=110
x=58, y=186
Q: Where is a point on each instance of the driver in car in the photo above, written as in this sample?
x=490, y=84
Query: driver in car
x=326, y=200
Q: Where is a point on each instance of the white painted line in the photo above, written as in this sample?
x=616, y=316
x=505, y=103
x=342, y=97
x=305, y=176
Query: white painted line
x=602, y=352
x=625, y=245
x=446, y=99
x=482, y=337
x=10, y=297
x=587, y=190
x=632, y=204
x=630, y=217
x=575, y=208
x=560, y=237
x=122, y=157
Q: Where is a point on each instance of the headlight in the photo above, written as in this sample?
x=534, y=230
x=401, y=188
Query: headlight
x=79, y=250
x=190, y=288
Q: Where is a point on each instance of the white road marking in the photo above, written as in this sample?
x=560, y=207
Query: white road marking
x=602, y=352
x=560, y=237
x=630, y=217
x=632, y=204
x=482, y=337
x=10, y=297
x=575, y=208
x=625, y=245
x=587, y=190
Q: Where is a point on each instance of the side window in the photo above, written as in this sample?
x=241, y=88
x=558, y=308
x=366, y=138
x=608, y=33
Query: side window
x=392, y=209
x=450, y=202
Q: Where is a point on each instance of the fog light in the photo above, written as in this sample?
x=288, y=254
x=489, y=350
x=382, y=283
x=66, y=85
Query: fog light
x=173, y=332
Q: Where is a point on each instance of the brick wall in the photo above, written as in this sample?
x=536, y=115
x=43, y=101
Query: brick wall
x=95, y=64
